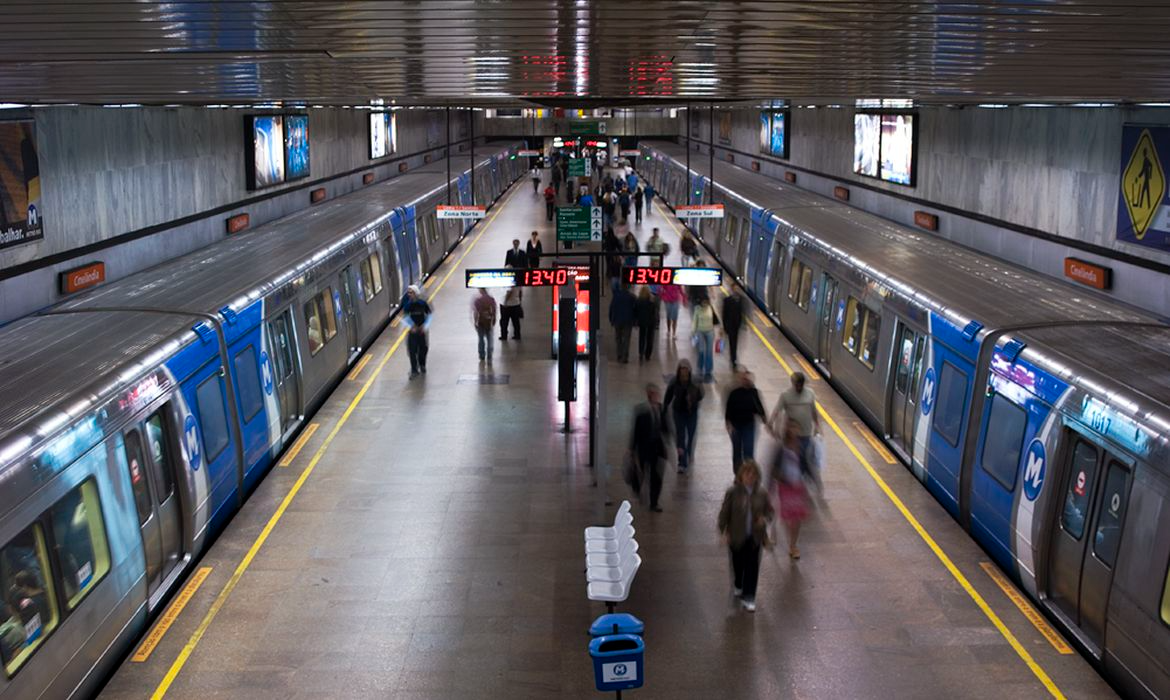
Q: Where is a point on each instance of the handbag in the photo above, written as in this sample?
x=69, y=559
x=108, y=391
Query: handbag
x=695, y=339
x=519, y=312
x=719, y=345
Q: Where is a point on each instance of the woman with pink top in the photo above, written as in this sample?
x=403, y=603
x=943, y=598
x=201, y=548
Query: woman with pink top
x=671, y=296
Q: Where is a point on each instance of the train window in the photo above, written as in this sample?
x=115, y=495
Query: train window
x=732, y=228
x=29, y=606
x=805, y=293
x=1110, y=515
x=367, y=286
x=313, y=321
x=1076, y=502
x=794, y=271
x=328, y=318
x=919, y=353
x=869, y=337
x=248, y=381
x=79, y=540
x=1004, y=441
x=952, y=397
x=1166, y=599
x=209, y=396
x=376, y=272
x=136, y=465
x=905, y=360
x=156, y=440
x=852, y=338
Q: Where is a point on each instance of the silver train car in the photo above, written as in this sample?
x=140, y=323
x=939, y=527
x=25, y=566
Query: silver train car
x=137, y=417
x=1036, y=412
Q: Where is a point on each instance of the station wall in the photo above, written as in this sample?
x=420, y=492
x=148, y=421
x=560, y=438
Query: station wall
x=1030, y=185
x=134, y=187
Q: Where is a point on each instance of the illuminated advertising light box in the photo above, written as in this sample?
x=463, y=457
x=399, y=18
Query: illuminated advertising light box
x=578, y=275
x=296, y=146
x=265, y=153
x=21, y=214
x=510, y=277
x=685, y=276
x=383, y=135
x=867, y=136
x=883, y=146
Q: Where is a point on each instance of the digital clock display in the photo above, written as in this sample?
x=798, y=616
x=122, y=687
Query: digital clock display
x=534, y=277
x=685, y=276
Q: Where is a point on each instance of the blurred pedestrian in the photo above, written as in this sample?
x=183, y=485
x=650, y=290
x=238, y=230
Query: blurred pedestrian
x=624, y=204
x=535, y=175
x=550, y=201
x=649, y=192
x=790, y=491
x=646, y=313
x=689, y=248
x=799, y=404
x=515, y=257
x=622, y=313
x=657, y=245
x=743, y=522
x=733, y=307
x=671, y=296
x=631, y=248
x=703, y=322
x=512, y=309
x=483, y=317
x=682, y=397
x=648, y=446
x=416, y=313
x=639, y=198
x=743, y=408
x=535, y=250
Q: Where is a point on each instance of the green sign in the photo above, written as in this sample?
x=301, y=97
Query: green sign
x=580, y=167
x=586, y=128
x=578, y=223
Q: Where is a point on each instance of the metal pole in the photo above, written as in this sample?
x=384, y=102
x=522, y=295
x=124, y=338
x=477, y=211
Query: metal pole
x=447, y=149
x=711, y=150
x=687, y=183
x=594, y=304
x=471, y=130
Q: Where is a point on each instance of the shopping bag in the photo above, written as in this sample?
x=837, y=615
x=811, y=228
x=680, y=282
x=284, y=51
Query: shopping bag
x=719, y=345
x=816, y=455
x=695, y=339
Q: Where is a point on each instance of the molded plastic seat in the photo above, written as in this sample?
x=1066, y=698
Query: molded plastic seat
x=612, y=573
x=610, y=546
x=603, y=559
x=609, y=533
x=615, y=591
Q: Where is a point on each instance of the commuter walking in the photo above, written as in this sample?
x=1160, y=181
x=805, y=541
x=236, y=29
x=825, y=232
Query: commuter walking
x=483, y=317
x=703, y=322
x=639, y=198
x=799, y=404
x=689, y=249
x=657, y=245
x=733, y=307
x=671, y=296
x=511, y=310
x=743, y=522
x=515, y=257
x=535, y=250
x=682, y=397
x=790, y=491
x=535, y=175
x=624, y=204
x=649, y=193
x=648, y=446
x=743, y=408
x=622, y=312
x=631, y=248
x=646, y=313
x=550, y=201
x=417, y=316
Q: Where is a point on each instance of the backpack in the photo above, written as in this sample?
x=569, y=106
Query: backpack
x=483, y=316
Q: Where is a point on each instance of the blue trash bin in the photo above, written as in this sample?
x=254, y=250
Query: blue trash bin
x=617, y=661
x=616, y=623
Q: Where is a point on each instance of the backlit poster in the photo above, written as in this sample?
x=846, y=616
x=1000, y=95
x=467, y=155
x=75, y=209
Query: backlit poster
x=267, y=151
x=21, y=219
x=777, y=137
x=897, y=149
x=434, y=129
x=296, y=146
x=867, y=131
x=725, y=128
x=765, y=132
x=379, y=135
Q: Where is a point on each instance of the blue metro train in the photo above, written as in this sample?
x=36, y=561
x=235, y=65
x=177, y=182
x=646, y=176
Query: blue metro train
x=137, y=417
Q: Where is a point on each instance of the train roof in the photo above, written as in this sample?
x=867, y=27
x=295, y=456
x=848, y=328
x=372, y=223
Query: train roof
x=940, y=274
x=238, y=270
x=54, y=368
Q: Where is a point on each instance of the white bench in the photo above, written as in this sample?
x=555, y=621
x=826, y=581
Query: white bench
x=611, y=558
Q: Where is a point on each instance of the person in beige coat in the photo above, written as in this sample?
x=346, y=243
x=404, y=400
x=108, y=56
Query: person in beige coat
x=743, y=521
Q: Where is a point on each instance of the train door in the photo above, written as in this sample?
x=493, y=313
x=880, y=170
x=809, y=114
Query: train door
x=1084, y=547
x=348, y=284
x=149, y=460
x=906, y=371
x=828, y=313
x=280, y=339
x=742, y=241
x=774, y=286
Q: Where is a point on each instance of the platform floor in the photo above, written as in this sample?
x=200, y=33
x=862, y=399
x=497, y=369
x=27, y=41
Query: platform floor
x=427, y=543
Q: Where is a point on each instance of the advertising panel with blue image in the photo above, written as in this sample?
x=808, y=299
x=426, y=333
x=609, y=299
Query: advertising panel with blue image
x=267, y=151
x=296, y=146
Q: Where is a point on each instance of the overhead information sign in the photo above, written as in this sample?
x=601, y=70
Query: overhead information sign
x=580, y=167
x=1143, y=214
x=629, y=152
x=532, y=277
x=586, y=127
x=444, y=211
x=529, y=153
x=686, y=276
x=699, y=211
x=578, y=223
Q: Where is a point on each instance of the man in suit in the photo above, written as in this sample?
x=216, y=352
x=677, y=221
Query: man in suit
x=516, y=257
x=648, y=445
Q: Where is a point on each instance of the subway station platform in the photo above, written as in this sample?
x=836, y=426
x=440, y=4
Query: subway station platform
x=425, y=541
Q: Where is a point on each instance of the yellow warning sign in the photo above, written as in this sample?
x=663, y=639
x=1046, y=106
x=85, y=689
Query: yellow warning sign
x=1143, y=184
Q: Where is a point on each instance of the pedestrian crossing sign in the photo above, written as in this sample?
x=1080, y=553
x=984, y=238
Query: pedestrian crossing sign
x=1143, y=184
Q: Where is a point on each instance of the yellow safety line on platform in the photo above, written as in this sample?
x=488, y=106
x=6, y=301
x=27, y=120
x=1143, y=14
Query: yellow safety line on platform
x=299, y=445
x=809, y=372
x=357, y=369
x=876, y=444
x=230, y=586
x=962, y=580
x=168, y=618
x=1058, y=643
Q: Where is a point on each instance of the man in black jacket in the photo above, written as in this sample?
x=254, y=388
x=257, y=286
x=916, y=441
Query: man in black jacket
x=733, y=307
x=743, y=408
x=648, y=446
x=516, y=257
